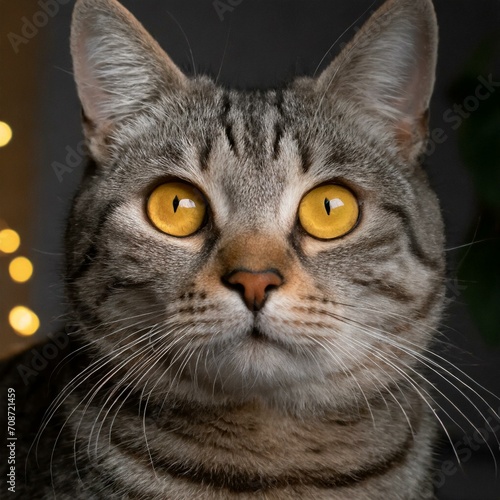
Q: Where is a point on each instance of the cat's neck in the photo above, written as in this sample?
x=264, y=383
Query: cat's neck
x=251, y=447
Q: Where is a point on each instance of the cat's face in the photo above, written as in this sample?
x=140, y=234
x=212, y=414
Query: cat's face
x=252, y=301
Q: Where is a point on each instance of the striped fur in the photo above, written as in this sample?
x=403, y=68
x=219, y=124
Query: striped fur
x=172, y=396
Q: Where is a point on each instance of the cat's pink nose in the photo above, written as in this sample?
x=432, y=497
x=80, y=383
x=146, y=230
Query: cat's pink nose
x=253, y=286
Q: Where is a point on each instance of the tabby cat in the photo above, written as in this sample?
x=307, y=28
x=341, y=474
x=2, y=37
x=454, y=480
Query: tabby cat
x=252, y=276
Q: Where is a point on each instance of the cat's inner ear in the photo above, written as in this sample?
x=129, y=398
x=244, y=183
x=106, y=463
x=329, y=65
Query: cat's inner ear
x=386, y=74
x=119, y=68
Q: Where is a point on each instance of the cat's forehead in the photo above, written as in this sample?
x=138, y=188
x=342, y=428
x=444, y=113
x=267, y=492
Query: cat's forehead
x=260, y=138
x=253, y=154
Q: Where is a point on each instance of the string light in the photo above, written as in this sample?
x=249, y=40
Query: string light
x=5, y=134
x=20, y=269
x=9, y=241
x=24, y=321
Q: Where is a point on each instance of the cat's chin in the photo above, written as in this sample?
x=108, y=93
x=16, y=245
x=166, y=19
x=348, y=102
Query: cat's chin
x=262, y=372
x=253, y=365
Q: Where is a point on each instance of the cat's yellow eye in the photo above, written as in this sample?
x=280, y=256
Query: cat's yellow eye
x=176, y=208
x=328, y=211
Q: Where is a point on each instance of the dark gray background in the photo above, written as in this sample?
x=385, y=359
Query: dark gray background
x=264, y=43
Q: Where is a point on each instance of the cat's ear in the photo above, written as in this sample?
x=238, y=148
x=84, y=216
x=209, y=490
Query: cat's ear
x=387, y=73
x=119, y=68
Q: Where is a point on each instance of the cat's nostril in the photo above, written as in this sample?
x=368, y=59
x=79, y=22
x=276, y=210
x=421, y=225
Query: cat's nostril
x=253, y=286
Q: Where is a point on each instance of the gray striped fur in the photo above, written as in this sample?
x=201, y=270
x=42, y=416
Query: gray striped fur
x=177, y=400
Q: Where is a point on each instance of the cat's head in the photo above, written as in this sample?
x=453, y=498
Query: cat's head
x=281, y=244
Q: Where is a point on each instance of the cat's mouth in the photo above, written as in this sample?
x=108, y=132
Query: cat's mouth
x=257, y=334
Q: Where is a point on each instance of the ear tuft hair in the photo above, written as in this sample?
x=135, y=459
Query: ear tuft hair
x=388, y=70
x=119, y=68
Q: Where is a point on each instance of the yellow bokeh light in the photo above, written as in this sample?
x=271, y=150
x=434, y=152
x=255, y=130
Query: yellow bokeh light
x=9, y=241
x=24, y=321
x=5, y=134
x=21, y=269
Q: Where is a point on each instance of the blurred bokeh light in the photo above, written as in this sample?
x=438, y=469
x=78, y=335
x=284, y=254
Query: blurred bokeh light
x=21, y=269
x=24, y=321
x=9, y=241
x=5, y=134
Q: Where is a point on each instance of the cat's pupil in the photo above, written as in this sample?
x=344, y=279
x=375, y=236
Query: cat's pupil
x=327, y=206
x=175, y=203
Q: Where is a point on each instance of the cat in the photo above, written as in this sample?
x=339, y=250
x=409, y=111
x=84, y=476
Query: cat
x=252, y=276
